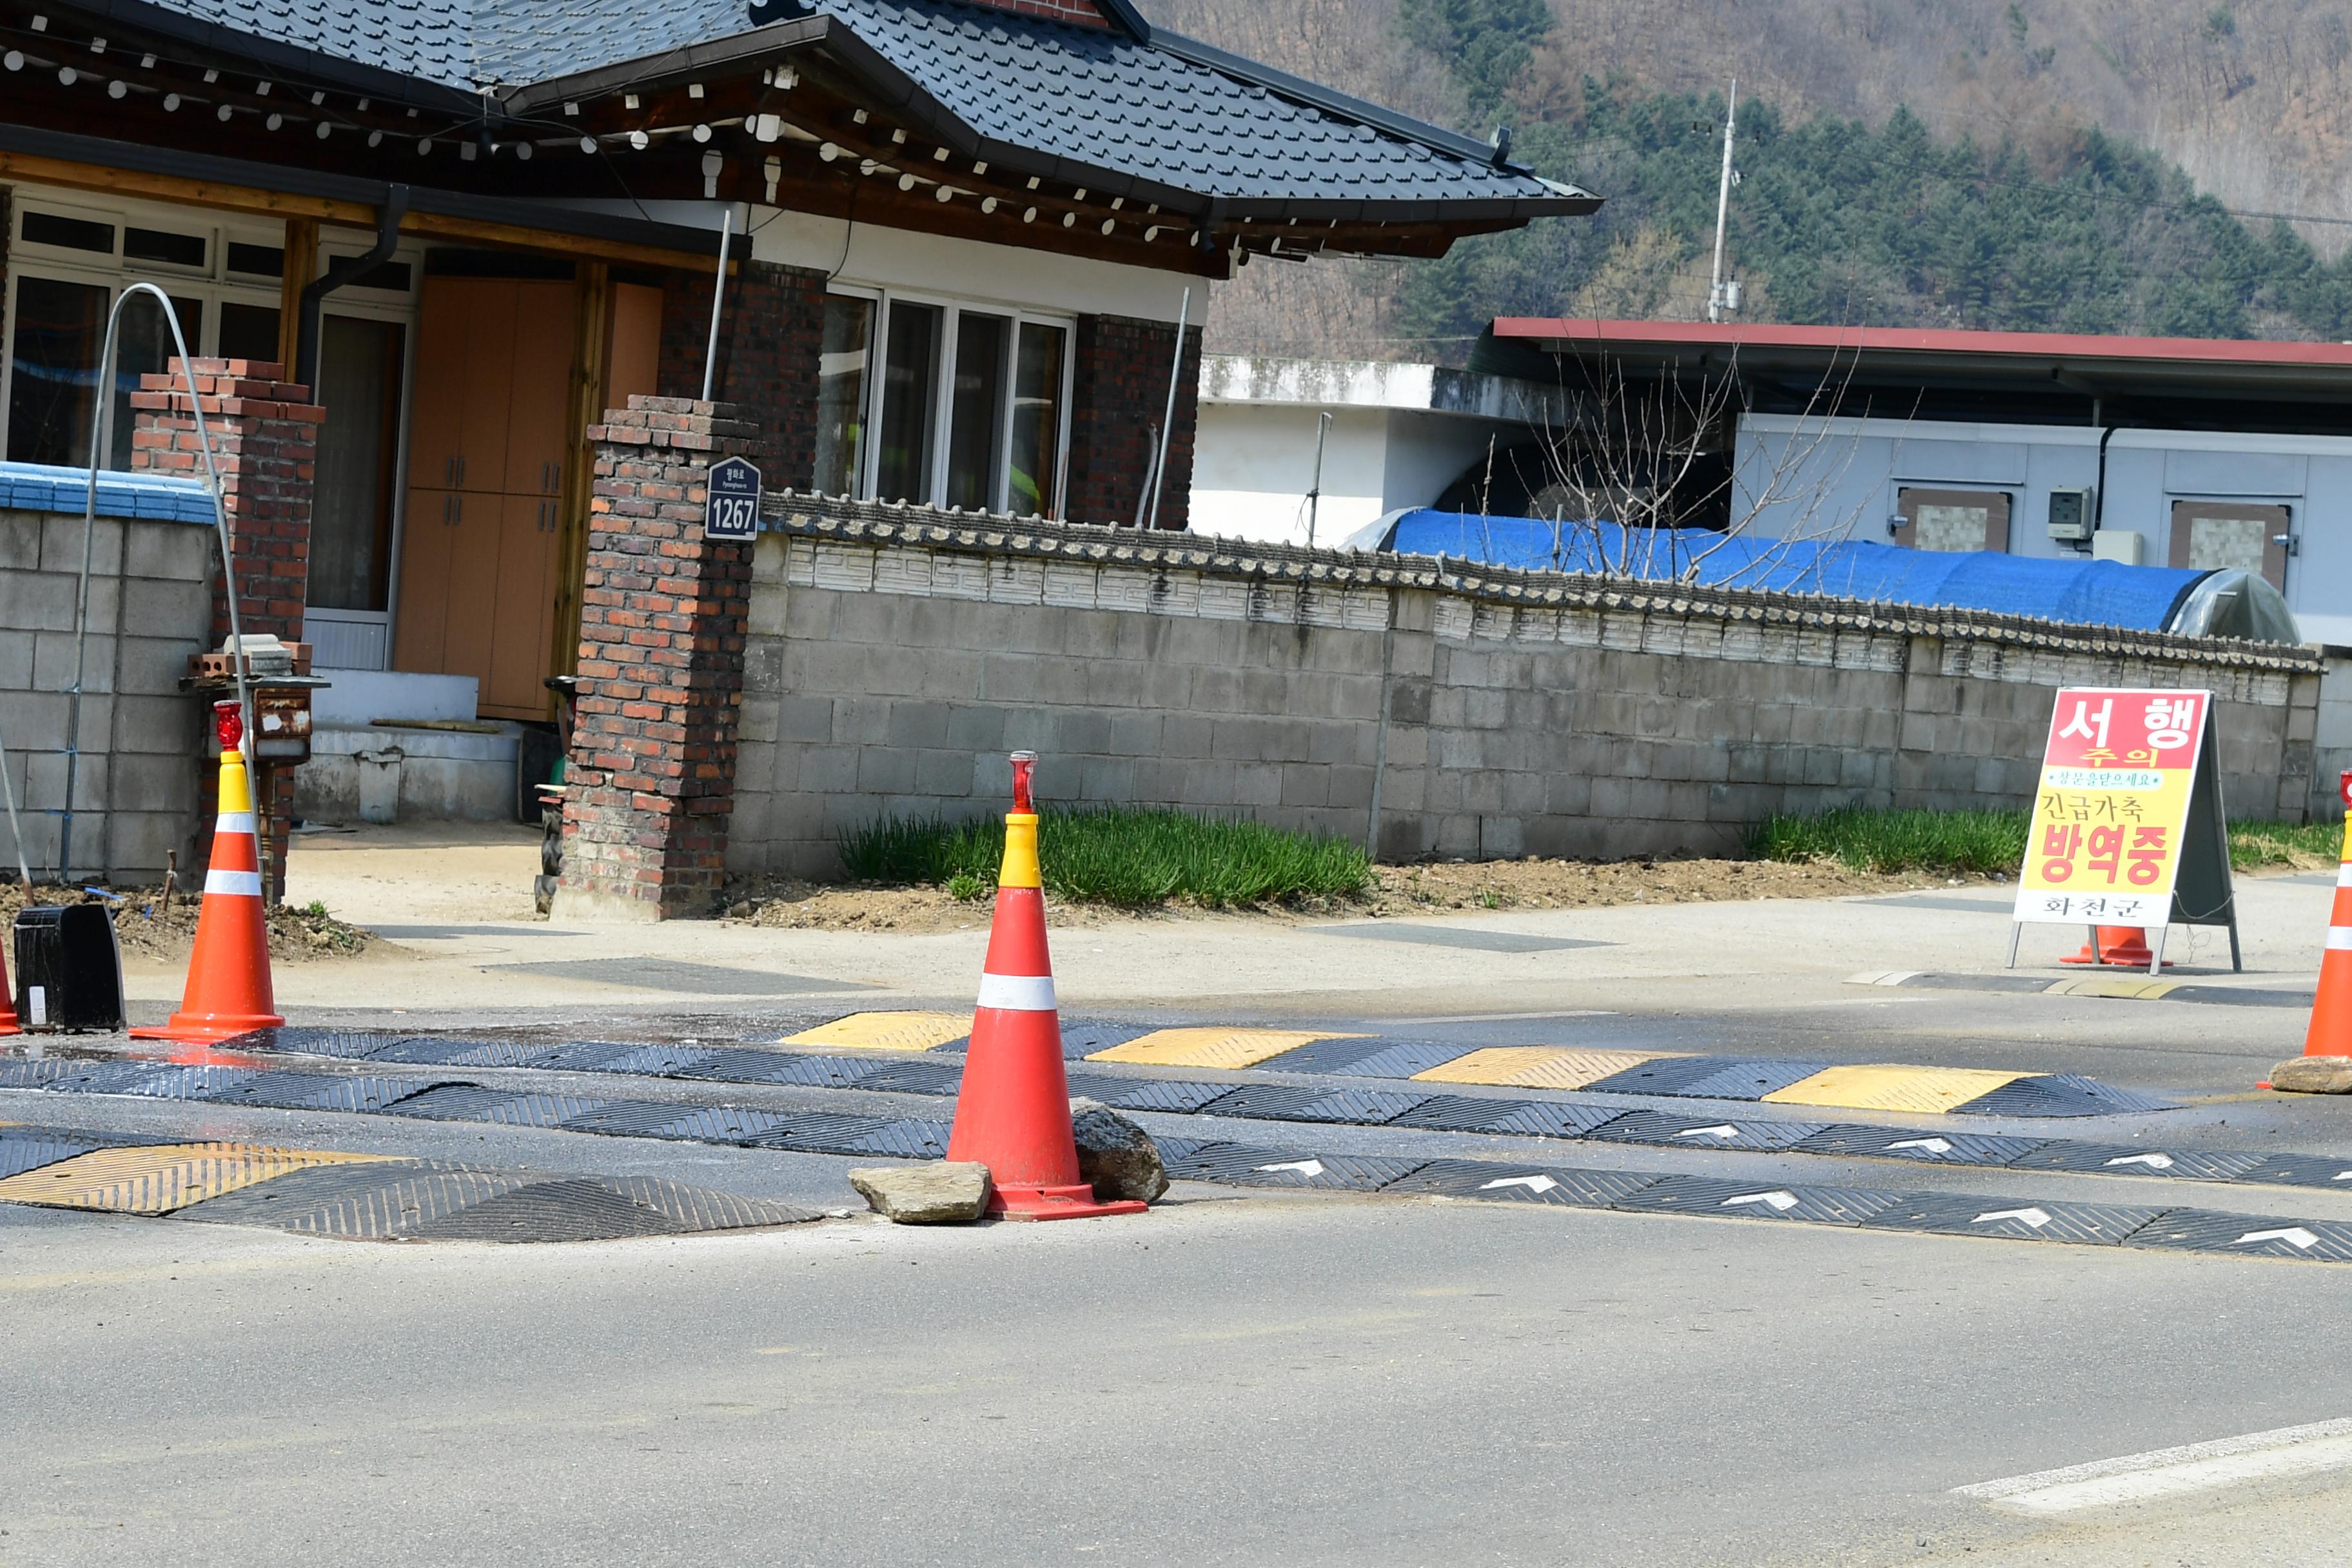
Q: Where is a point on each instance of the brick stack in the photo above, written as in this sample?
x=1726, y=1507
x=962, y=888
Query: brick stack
x=662, y=624
x=1120, y=398
x=264, y=438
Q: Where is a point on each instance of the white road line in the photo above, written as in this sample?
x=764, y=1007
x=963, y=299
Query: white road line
x=2166, y=1472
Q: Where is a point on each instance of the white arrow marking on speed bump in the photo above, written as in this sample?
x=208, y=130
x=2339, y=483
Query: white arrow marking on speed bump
x=1533, y=1183
x=1720, y=1130
x=2295, y=1236
x=1303, y=1167
x=2035, y=1218
x=2153, y=1161
x=1932, y=1145
x=1782, y=1202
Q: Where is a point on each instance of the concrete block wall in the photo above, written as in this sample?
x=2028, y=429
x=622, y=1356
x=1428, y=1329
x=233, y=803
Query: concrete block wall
x=136, y=787
x=895, y=656
x=2332, y=739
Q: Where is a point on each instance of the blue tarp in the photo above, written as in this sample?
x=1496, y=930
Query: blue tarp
x=34, y=487
x=2082, y=592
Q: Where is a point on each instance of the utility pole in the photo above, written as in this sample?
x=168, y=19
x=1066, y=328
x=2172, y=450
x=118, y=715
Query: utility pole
x=1722, y=297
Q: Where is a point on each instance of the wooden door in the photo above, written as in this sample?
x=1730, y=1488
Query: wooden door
x=436, y=420
x=486, y=383
x=633, y=355
x=473, y=592
x=427, y=532
x=519, y=637
x=540, y=383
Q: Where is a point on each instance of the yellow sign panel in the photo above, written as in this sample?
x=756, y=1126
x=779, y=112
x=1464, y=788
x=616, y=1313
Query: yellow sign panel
x=2111, y=815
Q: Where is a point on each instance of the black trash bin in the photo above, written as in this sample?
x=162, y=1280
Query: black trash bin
x=69, y=970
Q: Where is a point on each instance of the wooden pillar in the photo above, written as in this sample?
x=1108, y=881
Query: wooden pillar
x=591, y=341
x=301, y=267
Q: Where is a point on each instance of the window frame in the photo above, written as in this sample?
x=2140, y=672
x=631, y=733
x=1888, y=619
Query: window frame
x=1999, y=521
x=2276, y=517
x=213, y=286
x=942, y=390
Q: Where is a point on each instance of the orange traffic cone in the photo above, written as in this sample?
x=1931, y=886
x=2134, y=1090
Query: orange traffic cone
x=2126, y=947
x=1013, y=1113
x=2331, y=1010
x=228, y=974
x=8, y=1021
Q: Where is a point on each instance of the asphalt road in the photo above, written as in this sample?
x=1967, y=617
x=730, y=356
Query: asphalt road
x=1294, y=1379
x=1243, y=1376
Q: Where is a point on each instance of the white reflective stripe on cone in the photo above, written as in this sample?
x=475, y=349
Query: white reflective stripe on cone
x=1017, y=992
x=238, y=884
x=2344, y=875
x=236, y=822
x=2339, y=939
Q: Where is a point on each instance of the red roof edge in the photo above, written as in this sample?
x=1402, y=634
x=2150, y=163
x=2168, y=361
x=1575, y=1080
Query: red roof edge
x=1572, y=332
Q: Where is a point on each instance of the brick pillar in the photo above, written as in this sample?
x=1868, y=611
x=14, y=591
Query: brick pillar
x=265, y=439
x=652, y=766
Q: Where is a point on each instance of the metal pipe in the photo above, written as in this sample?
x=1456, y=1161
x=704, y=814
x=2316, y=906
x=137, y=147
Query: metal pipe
x=1315, y=496
x=348, y=271
x=101, y=428
x=1167, y=426
x=15, y=829
x=717, y=297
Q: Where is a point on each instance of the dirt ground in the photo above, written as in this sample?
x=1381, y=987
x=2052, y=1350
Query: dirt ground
x=1403, y=891
x=146, y=931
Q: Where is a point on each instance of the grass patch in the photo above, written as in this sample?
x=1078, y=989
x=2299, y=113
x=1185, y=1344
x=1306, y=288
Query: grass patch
x=1965, y=843
x=1991, y=843
x=1118, y=855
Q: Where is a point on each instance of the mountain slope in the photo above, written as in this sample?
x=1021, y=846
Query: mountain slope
x=1911, y=160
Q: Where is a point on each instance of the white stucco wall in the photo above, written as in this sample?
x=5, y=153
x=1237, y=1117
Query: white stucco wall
x=1253, y=464
x=1842, y=479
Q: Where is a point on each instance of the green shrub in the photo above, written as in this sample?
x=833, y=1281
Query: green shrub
x=1988, y=843
x=1118, y=855
x=1968, y=843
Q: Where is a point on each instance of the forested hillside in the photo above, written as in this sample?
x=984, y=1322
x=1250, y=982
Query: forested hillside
x=2051, y=165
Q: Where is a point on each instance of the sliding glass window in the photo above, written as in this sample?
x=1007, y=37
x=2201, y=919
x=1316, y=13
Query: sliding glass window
x=910, y=402
x=968, y=410
x=841, y=393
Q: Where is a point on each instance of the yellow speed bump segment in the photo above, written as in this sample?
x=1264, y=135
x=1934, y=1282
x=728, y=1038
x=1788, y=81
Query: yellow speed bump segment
x=162, y=1177
x=1929, y=1091
x=1214, y=1047
x=886, y=1032
x=1536, y=1067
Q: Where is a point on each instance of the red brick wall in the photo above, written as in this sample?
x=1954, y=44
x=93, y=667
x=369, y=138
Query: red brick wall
x=1121, y=394
x=769, y=340
x=264, y=436
x=1082, y=12
x=662, y=622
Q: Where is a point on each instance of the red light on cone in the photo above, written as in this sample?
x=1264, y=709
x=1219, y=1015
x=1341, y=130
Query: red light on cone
x=228, y=723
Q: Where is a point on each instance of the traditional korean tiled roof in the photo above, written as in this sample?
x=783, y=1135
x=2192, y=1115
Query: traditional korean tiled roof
x=1123, y=103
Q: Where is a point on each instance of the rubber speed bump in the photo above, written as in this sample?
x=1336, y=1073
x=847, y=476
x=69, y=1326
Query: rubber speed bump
x=1929, y=1148
x=1760, y=1200
x=161, y=1177
x=1668, y=1131
x=1523, y=1118
x=1235, y=1165
x=1214, y=1047
x=2014, y=1219
x=1524, y=1184
x=1925, y=1090
x=887, y=1032
x=2247, y=1235
x=1535, y=1067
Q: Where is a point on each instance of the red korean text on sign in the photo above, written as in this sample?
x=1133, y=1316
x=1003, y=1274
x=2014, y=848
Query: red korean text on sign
x=2125, y=729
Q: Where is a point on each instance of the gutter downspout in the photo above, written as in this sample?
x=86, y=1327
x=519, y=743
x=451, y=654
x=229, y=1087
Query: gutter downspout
x=2099, y=492
x=348, y=271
